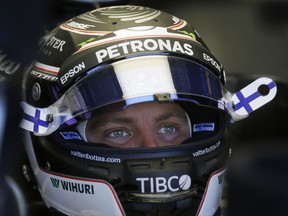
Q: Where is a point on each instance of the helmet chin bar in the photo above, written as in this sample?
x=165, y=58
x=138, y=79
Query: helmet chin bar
x=181, y=194
x=44, y=121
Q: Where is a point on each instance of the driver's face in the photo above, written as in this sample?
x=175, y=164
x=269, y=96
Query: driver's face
x=142, y=125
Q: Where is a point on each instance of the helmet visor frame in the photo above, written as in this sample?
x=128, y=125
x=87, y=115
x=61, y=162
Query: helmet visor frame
x=132, y=81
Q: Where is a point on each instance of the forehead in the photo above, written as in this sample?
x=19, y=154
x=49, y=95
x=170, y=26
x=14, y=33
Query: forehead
x=157, y=106
x=151, y=110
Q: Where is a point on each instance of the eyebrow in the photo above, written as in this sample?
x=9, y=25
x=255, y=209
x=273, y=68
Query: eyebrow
x=167, y=115
x=127, y=120
x=119, y=120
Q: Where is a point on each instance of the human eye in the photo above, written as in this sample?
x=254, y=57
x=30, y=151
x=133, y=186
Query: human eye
x=117, y=133
x=167, y=129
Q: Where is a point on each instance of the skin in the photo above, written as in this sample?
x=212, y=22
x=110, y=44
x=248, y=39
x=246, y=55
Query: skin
x=150, y=124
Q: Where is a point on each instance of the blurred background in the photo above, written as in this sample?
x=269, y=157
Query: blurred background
x=249, y=37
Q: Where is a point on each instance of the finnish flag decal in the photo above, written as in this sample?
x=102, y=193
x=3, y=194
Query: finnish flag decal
x=34, y=119
x=253, y=96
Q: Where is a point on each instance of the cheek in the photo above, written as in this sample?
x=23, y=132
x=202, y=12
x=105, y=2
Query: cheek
x=174, y=139
x=187, y=132
x=184, y=133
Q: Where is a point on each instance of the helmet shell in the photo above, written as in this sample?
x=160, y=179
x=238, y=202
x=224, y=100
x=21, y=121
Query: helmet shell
x=76, y=169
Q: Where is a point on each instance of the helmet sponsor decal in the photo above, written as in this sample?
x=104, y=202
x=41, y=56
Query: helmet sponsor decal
x=164, y=184
x=93, y=157
x=44, y=76
x=59, y=191
x=206, y=150
x=212, y=61
x=208, y=126
x=138, y=33
x=77, y=25
x=70, y=135
x=71, y=73
x=56, y=43
x=72, y=186
x=146, y=45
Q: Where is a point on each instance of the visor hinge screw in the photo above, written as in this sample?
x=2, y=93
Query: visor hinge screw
x=47, y=166
x=36, y=91
x=233, y=106
x=162, y=162
x=49, y=118
x=26, y=172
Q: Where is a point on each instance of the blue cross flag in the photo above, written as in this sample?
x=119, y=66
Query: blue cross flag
x=250, y=98
x=34, y=119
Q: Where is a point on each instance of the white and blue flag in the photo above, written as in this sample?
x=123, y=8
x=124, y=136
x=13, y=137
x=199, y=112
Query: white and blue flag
x=34, y=119
x=250, y=98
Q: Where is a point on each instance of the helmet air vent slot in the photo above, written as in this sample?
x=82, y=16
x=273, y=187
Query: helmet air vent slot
x=182, y=163
x=140, y=166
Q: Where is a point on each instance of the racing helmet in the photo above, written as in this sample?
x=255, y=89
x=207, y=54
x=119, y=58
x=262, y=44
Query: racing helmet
x=105, y=61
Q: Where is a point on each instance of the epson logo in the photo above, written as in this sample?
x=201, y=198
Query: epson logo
x=76, y=69
x=162, y=184
x=212, y=61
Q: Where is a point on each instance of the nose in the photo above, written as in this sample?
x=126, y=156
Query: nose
x=148, y=139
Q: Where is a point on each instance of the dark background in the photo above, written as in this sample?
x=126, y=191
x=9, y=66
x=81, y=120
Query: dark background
x=250, y=38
